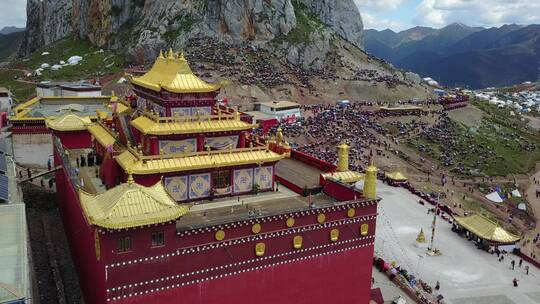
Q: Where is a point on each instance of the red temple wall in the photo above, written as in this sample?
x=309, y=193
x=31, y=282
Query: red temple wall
x=340, y=191
x=343, y=277
x=312, y=161
x=75, y=140
x=194, y=251
x=80, y=238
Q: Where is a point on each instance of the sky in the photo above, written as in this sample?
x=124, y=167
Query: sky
x=403, y=14
x=394, y=14
x=12, y=13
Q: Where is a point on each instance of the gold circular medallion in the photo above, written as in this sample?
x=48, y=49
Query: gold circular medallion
x=256, y=228
x=321, y=218
x=220, y=235
x=290, y=222
x=351, y=212
x=364, y=229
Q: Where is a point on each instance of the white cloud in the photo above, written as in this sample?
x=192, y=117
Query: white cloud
x=12, y=13
x=377, y=5
x=486, y=13
x=375, y=22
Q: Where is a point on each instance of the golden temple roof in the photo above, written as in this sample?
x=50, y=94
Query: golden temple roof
x=173, y=74
x=102, y=135
x=344, y=176
x=149, y=126
x=486, y=229
x=396, y=176
x=195, y=161
x=131, y=205
x=68, y=122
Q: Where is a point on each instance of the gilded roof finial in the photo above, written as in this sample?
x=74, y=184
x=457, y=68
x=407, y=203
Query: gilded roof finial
x=279, y=136
x=161, y=54
x=171, y=54
x=182, y=56
x=130, y=179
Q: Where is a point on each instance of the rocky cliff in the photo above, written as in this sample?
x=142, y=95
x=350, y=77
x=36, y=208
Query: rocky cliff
x=291, y=46
x=305, y=27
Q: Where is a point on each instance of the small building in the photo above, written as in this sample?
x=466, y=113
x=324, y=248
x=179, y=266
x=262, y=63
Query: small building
x=265, y=121
x=486, y=233
x=280, y=110
x=395, y=178
x=78, y=89
x=32, y=141
x=5, y=100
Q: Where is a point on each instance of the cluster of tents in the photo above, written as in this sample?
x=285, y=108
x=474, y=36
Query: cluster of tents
x=498, y=196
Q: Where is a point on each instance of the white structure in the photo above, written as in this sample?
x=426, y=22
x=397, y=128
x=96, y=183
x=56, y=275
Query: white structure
x=279, y=109
x=5, y=100
x=79, y=89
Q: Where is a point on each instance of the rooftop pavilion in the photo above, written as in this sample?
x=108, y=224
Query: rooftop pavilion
x=41, y=108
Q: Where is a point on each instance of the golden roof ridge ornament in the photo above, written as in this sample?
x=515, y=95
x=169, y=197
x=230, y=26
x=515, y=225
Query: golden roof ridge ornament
x=161, y=54
x=170, y=55
x=130, y=179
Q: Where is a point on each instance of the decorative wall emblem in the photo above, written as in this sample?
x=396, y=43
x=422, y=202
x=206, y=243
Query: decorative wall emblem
x=222, y=142
x=177, y=187
x=290, y=222
x=178, y=146
x=181, y=111
x=364, y=229
x=243, y=180
x=202, y=111
x=220, y=235
x=263, y=177
x=321, y=218
x=351, y=212
x=199, y=185
x=297, y=242
x=334, y=235
x=260, y=248
x=256, y=228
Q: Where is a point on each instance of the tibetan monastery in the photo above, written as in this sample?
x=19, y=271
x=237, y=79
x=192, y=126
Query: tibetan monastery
x=174, y=200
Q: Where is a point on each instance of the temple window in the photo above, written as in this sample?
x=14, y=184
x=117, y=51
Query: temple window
x=158, y=239
x=221, y=181
x=124, y=244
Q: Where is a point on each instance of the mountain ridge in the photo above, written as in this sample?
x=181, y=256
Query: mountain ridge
x=466, y=56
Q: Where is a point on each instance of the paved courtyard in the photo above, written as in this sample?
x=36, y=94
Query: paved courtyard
x=467, y=275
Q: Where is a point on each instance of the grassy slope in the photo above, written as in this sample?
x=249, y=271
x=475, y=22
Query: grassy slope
x=497, y=126
x=9, y=44
x=94, y=64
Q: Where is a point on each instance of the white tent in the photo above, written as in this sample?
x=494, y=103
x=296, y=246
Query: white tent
x=522, y=206
x=74, y=60
x=516, y=193
x=494, y=197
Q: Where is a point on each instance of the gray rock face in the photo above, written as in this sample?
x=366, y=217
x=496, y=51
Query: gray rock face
x=49, y=21
x=144, y=27
x=342, y=16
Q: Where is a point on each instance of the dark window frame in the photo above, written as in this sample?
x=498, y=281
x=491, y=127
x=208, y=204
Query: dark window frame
x=124, y=244
x=157, y=239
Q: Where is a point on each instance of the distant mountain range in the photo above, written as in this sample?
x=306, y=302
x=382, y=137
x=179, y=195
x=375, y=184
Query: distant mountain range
x=459, y=55
x=11, y=29
x=10, y=39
